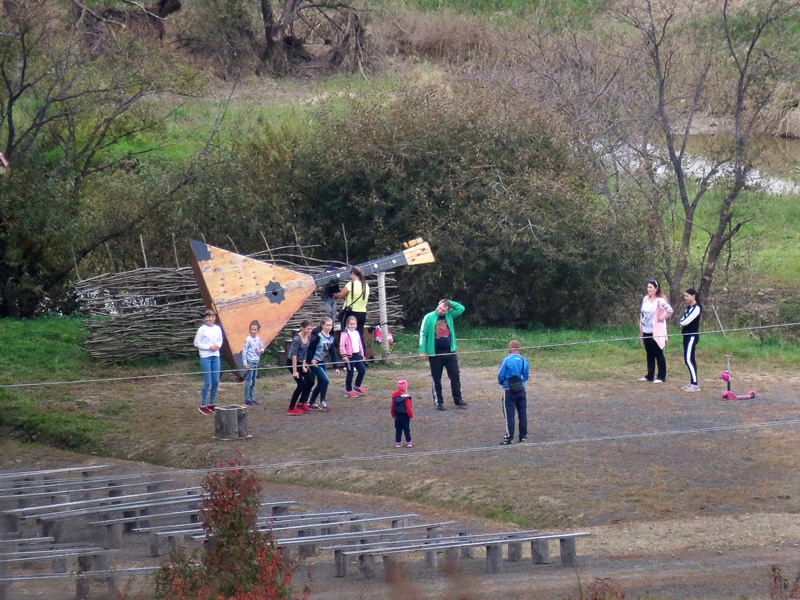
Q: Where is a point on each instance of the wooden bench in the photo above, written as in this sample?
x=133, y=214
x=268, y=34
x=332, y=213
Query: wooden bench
x=362, y=535
x=434, y=536
x=540, y=553
x=304, y=528
x=82, y=578
x=114, y=527
x=7, y=543
x=55, y=494
x=11, y=487
x=32, y=474
x=14, y=516
x=89, y=559
x=177, y=536
x=52, y=522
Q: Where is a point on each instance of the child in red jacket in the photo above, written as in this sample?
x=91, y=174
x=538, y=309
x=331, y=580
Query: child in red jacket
x=402, y=413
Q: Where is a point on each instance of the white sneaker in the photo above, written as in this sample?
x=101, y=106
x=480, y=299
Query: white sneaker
x=324, y=405
x=658, y=381
x=692, y=388
x=643, y=379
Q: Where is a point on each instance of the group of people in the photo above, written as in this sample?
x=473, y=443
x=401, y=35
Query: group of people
x=314, y=349
x=653, y=316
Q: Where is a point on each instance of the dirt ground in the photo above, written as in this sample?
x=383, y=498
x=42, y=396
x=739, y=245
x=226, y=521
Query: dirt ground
x=686, y=495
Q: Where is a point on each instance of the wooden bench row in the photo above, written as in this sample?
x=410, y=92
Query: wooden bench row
x=36, y=474
x=83, y=579
x=305, y=527
x=89, y=560
x=58, y=494
x=540, y=551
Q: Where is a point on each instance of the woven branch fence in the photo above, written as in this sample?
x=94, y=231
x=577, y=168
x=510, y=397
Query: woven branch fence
x=157, y=310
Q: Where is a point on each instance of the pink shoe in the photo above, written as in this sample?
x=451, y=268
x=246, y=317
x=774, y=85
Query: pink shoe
x=294, y=412
x=303, y=407
x=351, y=394
x=409, y=444
x=360, y=391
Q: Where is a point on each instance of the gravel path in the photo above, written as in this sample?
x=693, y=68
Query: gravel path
x=684, y=511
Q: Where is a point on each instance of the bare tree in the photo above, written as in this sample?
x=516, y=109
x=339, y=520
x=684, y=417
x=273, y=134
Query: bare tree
x=330, y=32
x=63, y=109
x=631, y=103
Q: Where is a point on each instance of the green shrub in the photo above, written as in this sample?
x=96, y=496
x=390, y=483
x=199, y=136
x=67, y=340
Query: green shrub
x=518, y=234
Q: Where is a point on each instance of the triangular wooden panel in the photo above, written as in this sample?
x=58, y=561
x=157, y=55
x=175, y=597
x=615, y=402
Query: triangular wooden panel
x=240, y=289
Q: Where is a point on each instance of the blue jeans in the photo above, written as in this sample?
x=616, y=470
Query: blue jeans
x=250, y=380
x=210, y=368
x=330, y=308
x=356, y=363
x=322, y=383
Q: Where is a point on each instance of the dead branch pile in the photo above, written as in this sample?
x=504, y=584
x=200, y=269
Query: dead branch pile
x=156, y=311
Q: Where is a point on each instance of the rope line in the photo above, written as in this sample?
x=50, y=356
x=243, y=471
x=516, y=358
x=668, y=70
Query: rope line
x=401, y=357
x=500, y=448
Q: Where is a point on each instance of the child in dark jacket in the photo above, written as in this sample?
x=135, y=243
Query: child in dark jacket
x=402, y=413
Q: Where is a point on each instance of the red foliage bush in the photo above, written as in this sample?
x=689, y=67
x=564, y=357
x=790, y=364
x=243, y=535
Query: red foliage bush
x=237, y=561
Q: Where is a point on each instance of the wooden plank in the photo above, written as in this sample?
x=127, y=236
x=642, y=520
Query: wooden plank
x=13, y=475
x=95, y=502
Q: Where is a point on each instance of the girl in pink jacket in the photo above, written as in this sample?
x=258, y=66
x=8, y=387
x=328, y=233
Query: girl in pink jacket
x=653, y=317
x=351, y=349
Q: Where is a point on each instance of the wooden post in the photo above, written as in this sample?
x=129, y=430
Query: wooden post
x=469, y=551
x=383, y=314
x=366, y=562
x=568, y=552
x=494, y=558
x=230, y=422
x=540, y=552
x=340, y=562
x=514, y=551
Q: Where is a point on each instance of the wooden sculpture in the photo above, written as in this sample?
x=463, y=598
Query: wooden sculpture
x=239, y=289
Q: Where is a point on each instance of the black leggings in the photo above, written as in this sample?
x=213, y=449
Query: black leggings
x=689, y=347
x=305, y=382
x=655, y=355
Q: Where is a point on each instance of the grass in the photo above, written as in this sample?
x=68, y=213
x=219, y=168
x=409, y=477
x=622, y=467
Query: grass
x=45, y=349
x=515, y=9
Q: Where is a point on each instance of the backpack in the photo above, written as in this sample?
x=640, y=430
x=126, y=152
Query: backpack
x=379, y=336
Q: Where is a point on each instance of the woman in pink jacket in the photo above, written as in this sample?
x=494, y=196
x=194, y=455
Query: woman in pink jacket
x=653, y=331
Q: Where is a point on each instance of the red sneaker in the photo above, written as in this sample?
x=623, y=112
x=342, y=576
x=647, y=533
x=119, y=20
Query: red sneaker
x=351, y=394
x=360, y=391
x=303, y=407
x=294, y=412
x=204, y=410
x=211, y=408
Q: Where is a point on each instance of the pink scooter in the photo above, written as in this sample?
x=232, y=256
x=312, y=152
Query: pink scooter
x=726, y=377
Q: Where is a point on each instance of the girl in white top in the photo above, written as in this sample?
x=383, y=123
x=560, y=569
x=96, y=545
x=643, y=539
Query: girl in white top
x=208, y=341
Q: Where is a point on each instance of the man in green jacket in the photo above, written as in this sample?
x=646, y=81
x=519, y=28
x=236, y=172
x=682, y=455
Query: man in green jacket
x=437, y=341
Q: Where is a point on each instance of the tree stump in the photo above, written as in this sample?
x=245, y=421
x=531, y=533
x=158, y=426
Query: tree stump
x=230, y=422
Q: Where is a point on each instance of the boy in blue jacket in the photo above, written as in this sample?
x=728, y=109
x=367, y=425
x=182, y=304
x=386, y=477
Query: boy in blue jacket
x=512, y=377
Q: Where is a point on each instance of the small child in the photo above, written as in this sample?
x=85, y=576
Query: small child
x=253, y=349
x=402, y=413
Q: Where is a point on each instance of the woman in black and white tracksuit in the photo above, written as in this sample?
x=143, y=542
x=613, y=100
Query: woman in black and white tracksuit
x=690, y=328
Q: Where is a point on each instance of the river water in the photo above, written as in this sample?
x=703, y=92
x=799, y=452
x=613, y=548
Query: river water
x=777, y=164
